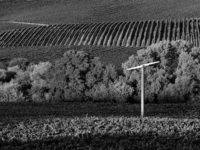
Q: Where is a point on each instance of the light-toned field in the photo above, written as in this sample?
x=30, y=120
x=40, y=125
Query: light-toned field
x=125, y=34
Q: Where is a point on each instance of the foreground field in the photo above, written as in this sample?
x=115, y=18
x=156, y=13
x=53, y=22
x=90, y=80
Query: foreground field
x=102, y=133
x=98, y=126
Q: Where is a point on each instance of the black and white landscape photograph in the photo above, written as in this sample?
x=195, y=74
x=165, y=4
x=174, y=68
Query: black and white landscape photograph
x=99, y=74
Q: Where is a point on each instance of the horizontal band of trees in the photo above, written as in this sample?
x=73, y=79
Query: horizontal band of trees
x=127, y=34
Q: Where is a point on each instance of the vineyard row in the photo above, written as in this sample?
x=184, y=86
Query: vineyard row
x=127, y=34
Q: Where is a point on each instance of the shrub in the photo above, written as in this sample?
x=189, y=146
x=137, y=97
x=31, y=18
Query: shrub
x=9, y=92
x=74, y=75
x=3, y=65
x=24, y=84
x=174, y=79
x=100, y=92
x=6, y=76
x=188, y=76
x=117, y=91
x=31, y=83
x=122, y=92
x=39, y=84
x=67, y=77
x=14, y=85
x=21, y=62
x=2, y=75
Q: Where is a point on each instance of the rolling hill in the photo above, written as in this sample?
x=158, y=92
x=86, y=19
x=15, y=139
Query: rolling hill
x=87, y=11
x=65, y=12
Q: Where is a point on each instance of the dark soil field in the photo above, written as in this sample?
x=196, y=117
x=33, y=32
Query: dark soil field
x=108, y=55
x=78, y=11
x=21, y=111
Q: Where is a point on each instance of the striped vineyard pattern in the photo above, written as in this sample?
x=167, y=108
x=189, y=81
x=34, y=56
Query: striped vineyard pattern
x=126, y=34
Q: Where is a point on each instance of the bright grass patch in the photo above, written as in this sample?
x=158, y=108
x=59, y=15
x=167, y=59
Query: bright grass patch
x=102, y=132
x=39, y=129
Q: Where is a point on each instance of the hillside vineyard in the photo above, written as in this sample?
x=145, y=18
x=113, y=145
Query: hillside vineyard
x=127, y=34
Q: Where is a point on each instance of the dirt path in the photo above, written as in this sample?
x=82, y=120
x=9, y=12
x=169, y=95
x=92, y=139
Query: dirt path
x=24, y=23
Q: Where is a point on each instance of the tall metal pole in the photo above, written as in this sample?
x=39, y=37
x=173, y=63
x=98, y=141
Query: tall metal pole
x=142, y=83
x=142, y=92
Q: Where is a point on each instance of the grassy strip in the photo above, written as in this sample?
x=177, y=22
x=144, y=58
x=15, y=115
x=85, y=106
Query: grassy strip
x=22, y=111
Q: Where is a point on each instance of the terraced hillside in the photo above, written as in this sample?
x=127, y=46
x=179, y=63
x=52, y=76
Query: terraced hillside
x=126, y=34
